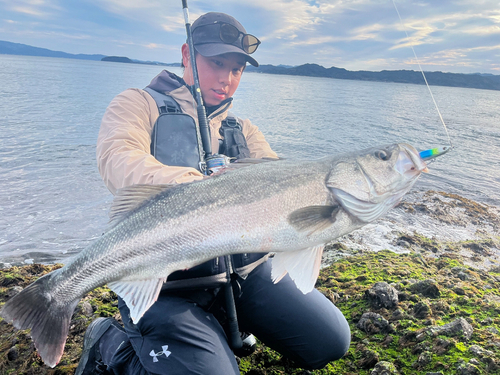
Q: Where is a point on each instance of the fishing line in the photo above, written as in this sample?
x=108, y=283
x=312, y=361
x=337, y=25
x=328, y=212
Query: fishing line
x=423, y=75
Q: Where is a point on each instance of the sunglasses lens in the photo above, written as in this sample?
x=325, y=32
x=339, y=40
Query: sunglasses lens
x=229, y=33
x=250, y=43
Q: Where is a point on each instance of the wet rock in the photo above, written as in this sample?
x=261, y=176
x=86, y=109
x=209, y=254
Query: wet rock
x=492, y=297
x=107, y=297
x=478, y=248
x=384, y=368
x=382, y=295
x=85, y=308
x=427, y=288
x=13, y=353
x=11, y=292
x=434, y=373
x=403, y=296
x=421, y=310
x=493, y=330
x=420, y=348
x=467, y=369
x=461, y=272
x=387, y=341
x=474, y=362
x=398, y=314
x=423, y=360
x=485, y=356
x=459, y=327
x=491, y=366
x=479, y=351
x=441, y=346
x=410, y=338
x=486, y=322
x=11, y=280
x=372, y=323
x=369, y=358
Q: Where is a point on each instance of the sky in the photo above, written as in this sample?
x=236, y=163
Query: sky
x=461, y=36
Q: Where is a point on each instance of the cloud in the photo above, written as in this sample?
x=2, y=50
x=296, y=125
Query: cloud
x=34, y=8
x=173, y=24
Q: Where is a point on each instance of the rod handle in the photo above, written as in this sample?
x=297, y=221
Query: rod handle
x=235, y=341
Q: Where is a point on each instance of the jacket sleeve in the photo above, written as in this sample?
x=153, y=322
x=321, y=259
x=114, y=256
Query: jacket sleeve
x=123, y=145
x=257, y=144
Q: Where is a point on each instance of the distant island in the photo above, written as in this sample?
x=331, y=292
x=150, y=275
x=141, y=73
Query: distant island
x=122, y=59
x=477, y=80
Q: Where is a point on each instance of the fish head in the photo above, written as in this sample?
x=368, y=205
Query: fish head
x=369, y=183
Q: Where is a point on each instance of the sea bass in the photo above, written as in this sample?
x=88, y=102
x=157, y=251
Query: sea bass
x=290, y=208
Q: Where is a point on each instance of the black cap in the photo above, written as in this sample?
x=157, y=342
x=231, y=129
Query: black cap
x=207, y=40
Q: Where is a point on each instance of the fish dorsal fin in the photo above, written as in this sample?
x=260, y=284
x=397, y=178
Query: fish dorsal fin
x=313, y=218
x=139, y=295
x=302, y=265
x=130, y=197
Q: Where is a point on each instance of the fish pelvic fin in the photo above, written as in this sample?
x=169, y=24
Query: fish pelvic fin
x=313, y=218
x=139, y=295
x=49, y=320
x=303, y=266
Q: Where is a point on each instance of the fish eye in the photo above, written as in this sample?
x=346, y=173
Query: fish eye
x=383, y=154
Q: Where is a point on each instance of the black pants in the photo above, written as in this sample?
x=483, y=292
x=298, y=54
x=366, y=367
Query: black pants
x=177, y=336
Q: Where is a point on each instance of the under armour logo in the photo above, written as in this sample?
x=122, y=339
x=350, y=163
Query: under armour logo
x=155, y=355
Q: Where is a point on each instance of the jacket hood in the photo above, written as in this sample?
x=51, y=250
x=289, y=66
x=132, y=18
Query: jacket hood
x=166, y=82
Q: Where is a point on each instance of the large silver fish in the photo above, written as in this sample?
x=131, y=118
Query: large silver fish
x=290, y=208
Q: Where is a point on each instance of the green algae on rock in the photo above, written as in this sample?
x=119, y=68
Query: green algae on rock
x=416, y=339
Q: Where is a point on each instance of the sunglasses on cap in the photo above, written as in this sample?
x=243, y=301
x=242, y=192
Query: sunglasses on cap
x=228, y=34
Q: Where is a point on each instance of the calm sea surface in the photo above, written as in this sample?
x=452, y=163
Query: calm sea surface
x=53, y=202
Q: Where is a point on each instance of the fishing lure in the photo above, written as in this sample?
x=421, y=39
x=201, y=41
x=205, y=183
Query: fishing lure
x=432, y=153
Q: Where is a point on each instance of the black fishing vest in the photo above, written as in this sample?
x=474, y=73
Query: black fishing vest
x=176, y=139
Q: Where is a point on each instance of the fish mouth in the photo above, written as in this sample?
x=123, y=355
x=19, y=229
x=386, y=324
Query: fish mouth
x=412, y=164
x=409, y=165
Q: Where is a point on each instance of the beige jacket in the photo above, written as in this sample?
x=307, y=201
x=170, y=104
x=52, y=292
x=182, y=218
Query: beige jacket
x=123, y=145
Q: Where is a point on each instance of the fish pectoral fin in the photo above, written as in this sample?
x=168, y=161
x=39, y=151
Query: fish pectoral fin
x=313, y=218
x=139, y=295
x=302, y=265
x=130, y=197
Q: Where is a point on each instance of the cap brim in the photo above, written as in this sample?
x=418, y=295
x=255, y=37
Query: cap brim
x=214, y=49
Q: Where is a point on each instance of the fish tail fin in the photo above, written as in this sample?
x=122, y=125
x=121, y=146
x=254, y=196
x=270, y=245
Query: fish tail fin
x=49, y=320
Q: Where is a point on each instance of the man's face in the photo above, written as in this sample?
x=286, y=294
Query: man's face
x=219, y=75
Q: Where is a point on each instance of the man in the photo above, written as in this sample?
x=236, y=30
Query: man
x=145, y=138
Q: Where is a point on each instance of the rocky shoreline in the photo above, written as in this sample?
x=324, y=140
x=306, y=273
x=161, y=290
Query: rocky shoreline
x=426, y=302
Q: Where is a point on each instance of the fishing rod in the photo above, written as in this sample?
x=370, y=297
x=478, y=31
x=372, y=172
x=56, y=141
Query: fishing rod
x=211, y=163
x=430, y=154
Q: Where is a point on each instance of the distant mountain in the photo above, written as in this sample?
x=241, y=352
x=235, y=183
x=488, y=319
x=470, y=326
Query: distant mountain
x=9, y=48
x=477, y=81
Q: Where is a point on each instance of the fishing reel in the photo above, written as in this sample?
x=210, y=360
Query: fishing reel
x=217, y=163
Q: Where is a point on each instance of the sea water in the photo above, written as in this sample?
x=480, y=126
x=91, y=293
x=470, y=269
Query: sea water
x=53, y=202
